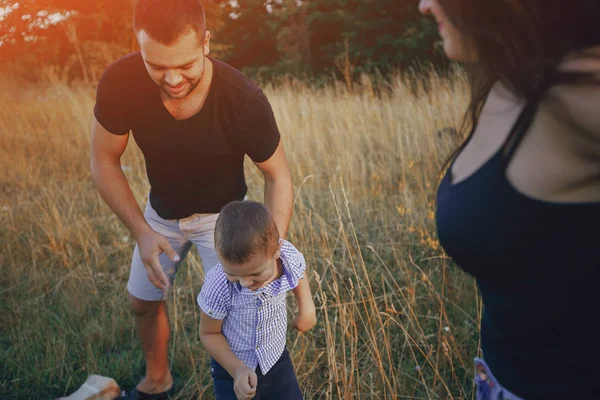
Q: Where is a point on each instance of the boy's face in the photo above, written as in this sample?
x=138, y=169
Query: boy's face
x=259, y=271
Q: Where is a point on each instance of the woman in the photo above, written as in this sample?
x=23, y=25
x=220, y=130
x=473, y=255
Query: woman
x=519, y=207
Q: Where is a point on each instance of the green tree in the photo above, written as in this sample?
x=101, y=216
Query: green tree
x=81, y=37
x=381, y=34
x=249, y=34
x=299, y=37
x=325, y=36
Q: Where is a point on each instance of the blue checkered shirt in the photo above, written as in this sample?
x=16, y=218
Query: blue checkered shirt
x=254, y=322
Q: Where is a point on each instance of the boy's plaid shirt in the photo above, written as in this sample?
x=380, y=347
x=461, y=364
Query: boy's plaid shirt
x=254, y=322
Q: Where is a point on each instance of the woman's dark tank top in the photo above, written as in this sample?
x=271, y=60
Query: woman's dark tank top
x=536, y=266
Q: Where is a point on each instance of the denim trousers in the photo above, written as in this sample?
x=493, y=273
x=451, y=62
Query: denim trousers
x=278, y=383
x=486, y=385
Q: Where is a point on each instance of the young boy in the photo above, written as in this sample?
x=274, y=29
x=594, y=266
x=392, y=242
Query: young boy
x=243, y=301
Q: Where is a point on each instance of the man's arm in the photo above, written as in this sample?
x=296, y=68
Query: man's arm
x=307, y=314
x=106, y=152
x=279, y=194
x=105, y=157
x=245, y=380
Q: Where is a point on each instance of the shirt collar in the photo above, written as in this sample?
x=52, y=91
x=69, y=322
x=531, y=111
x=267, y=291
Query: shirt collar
x=284, y=283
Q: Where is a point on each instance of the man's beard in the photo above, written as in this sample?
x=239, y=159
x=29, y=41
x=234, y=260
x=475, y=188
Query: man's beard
x=193, y=85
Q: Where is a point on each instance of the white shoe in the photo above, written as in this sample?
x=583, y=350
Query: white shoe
x=96, y=387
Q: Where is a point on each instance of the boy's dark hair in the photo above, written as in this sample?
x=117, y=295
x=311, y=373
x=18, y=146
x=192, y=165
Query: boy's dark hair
x=244, y=229
x=166, y=21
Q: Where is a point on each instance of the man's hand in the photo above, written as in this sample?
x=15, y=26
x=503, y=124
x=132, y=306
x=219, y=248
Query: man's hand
x=151, y=244
x=244, y=383
x=105, y=162
x=306, y=319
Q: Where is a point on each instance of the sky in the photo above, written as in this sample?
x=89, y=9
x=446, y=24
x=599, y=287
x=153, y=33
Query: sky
x=6, y=10
x=52, y=18
x=43, y=19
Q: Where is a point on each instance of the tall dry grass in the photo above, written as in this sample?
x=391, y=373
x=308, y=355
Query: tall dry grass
x=396, y=320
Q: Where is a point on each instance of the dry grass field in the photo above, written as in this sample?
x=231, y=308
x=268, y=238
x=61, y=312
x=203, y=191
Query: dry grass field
x=397, y=320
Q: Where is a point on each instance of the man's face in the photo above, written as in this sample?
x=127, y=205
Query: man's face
x=179, y=67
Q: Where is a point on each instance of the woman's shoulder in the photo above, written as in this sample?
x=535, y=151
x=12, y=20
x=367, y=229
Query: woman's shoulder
x=583, y=61
x=579, y=101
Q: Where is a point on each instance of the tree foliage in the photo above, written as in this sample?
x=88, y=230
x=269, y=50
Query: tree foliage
x=325, y=36
x=299, y=37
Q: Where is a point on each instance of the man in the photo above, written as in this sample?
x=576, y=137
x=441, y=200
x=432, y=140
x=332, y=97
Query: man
x=194, y=118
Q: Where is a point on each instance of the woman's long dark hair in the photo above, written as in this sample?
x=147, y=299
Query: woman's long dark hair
x=520, y=43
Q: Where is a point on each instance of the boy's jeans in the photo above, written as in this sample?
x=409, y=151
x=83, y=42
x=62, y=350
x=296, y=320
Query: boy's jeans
x=487, y=386
x=279, y=383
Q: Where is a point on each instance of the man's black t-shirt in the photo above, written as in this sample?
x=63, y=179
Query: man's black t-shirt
x=194, y=165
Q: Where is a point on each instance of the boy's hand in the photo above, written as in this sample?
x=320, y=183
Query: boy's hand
x=244, y=383
x=305, y=320
x=307, y=313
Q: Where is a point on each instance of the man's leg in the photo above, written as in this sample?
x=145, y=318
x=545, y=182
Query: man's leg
x=149, y=308
x=200, y=229
x=153, y=330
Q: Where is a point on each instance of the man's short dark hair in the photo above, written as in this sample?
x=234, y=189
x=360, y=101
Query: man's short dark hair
x=167, y=20
x=244, y=229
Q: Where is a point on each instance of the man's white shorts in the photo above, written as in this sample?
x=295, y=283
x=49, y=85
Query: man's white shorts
x=197, y=229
